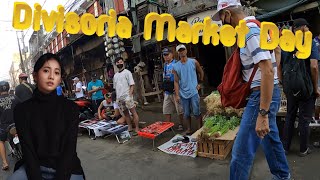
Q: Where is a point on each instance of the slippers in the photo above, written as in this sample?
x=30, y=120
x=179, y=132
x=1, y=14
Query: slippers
x=134, y=133
x=5, y=168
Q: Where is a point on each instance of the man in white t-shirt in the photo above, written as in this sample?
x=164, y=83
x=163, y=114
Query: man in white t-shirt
x=78, y=88
x=123, y=83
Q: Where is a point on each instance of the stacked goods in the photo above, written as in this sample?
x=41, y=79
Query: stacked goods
x=216, y=126
x=214, y=106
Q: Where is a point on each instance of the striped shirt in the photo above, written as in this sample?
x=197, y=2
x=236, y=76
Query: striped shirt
x=252, y=54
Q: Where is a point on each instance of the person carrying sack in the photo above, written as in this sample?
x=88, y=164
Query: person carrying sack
x=252, y=72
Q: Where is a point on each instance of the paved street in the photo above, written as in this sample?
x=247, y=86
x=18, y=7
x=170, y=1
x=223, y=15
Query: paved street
x=106, y=159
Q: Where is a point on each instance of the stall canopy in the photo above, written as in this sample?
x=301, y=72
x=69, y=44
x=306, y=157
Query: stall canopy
x=271, y=8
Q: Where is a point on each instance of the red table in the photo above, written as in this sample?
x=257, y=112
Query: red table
x=154, y=130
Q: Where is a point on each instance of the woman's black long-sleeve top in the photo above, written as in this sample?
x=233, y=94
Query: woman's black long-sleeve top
x=47, y=126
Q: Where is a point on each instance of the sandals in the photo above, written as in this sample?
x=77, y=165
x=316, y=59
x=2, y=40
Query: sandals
x=5, y=168
x=180, y=127
x=134, y=133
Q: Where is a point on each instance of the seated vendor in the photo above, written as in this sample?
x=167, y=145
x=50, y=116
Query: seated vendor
x=107, y=105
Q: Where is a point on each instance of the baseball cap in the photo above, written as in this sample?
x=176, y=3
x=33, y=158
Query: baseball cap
x=76, y=78
x=300, y=22
x=23, y=75
x=93, y=75
x=166, y=51
x=223, y=4
x=180, y=46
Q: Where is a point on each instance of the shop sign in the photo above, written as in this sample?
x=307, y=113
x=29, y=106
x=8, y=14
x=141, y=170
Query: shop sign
x=200, y=17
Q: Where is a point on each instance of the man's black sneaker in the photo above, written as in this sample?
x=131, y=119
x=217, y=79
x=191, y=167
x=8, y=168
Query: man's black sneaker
x=303, y=154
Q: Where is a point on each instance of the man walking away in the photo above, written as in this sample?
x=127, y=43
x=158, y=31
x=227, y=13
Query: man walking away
x=24, y=90
x=186, y=86
x=7, y=104
x=170, y=104
x=258, y=125
x=95, y=87
x=78, y=88
x=123, y=83
x=300, y=98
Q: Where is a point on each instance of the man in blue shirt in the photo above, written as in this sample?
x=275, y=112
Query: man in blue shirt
x=170, y=103
x=186, y=85
x=95, y=90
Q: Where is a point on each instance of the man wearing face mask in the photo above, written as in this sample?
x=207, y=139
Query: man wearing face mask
x=258, y=125
x=123, y=83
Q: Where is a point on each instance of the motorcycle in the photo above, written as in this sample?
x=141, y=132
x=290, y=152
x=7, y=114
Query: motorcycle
x=14, y=143
x=85, y=108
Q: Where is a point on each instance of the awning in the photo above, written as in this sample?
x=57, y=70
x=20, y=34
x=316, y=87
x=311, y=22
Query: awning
x=282, y=6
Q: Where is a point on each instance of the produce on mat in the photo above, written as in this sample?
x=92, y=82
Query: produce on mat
x=216, y=126
x=214, y=106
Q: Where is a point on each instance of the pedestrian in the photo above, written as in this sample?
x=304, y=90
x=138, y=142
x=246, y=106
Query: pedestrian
x=77, y=88
x=123, y=83
x=24, y=90
x=317, y=108
x=258, y=125
x=7, y=105
x=186, y=86
x=170, y=104
x=47, y=125
x=295, y=97
x=95, y=88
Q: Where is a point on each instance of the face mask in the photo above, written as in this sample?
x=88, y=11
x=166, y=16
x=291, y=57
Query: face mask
x=120, y=66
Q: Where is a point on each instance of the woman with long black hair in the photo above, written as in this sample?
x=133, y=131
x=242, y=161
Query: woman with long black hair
x=47, y=126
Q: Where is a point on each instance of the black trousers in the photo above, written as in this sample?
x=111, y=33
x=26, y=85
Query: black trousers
x=95, y=104
x=306, y=109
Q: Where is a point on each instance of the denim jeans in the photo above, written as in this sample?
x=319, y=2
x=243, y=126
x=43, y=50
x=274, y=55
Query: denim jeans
x=47, y=174
x=191, y=104
x=247, y=141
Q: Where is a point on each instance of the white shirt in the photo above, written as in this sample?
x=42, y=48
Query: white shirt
x=252, y=54
x=122, y=82
x=105, y=104
x=79, y=86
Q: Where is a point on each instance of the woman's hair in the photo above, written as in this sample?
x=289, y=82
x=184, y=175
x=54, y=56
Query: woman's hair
x=43, y=59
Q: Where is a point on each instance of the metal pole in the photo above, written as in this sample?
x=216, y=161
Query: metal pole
x=21, y=60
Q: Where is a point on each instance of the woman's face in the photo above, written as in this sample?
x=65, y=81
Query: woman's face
x=48, y=77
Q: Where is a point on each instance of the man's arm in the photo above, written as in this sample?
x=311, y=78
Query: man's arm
x=131, y=90
x=277, y=52
x=199, y=71
x=176, y=83
x=267, y=83
x=314, y=74
x=99, y=110
x=314, y=57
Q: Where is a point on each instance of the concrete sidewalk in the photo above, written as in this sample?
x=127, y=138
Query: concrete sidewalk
x=106, y=159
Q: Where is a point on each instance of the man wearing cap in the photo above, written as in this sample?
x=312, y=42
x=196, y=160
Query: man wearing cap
x=186, y=86
x=258, y=125
x=306, y=106
x=170, y=103
x=24, y=90
x=95, y=87
x=78, y=88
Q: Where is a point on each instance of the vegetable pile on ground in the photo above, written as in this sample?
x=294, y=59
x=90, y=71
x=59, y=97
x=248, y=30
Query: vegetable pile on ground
x=216, y=126
x=214, y=106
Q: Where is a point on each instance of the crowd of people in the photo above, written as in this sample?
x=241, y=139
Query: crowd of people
x=49, y=142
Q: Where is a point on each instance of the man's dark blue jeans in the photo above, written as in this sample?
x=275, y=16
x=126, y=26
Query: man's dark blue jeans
x=247, y=141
